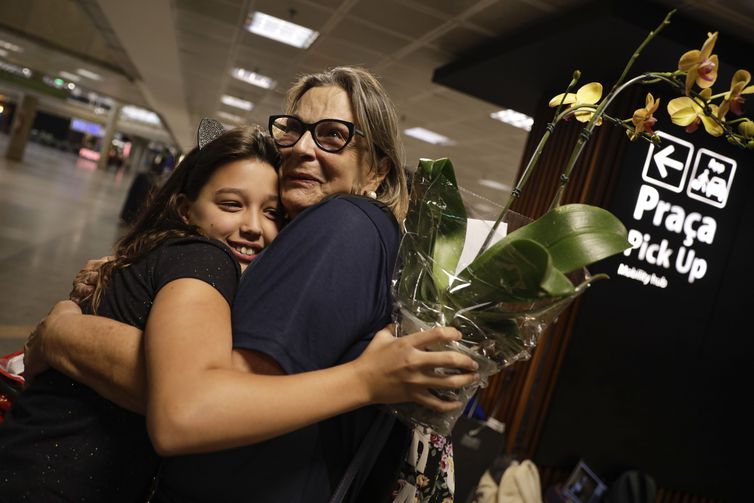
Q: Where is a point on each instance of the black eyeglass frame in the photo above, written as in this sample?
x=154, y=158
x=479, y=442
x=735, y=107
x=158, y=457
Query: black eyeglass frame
x=352, y=130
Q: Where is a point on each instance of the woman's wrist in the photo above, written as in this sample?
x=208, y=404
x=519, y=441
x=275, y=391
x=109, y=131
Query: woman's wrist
x=361, y=381
x=49, y=341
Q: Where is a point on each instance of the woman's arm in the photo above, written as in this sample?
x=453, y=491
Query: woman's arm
x=196, y=403
x=104, y=354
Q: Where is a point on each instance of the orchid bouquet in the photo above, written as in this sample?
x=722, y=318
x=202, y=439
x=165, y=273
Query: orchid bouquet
x=518, y=281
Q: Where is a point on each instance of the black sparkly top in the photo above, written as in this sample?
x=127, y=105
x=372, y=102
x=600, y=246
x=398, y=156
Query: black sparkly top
x=63, y=442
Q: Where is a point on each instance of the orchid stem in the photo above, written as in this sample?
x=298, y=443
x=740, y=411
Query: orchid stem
x=641, y=47
x=516, y=192
x=617, y=88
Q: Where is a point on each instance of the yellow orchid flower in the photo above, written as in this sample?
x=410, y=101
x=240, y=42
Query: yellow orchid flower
x=733, y=99
x=643, y=118
x=588, y=94
x=685, y=111
x=700, y=66
x=746, y=128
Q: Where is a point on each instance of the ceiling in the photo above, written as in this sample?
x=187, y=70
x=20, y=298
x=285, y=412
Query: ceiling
x=175, y=57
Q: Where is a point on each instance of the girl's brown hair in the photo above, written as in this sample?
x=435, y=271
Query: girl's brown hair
x=161, y=220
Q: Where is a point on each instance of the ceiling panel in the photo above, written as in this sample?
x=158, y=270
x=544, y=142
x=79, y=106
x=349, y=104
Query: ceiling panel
x=14, y=13
x=426, y=59
x=352, y=31
x=315, y=62
x=459, y=40
x=264, y=62
x=63, y=23
x=223, y=12
x=322, y=4
x=283, y=52
x=502, y=17
x=342, y=52
x=398, y=18
x=210, y=28
x=445, y=8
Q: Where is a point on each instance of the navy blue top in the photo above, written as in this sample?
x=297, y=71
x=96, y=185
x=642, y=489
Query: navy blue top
x=61, y=441
x=313, y=299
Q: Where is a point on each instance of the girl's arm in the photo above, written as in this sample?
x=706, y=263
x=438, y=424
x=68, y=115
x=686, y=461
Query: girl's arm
x=196, y=403
x=108, y=356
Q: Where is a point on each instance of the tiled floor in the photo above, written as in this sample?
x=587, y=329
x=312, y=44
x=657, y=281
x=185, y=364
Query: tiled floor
x=56, y=212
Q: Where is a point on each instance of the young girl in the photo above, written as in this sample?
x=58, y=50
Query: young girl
x=62, y=441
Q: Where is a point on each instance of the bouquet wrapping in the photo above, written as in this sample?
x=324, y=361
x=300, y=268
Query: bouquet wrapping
x=501, y=299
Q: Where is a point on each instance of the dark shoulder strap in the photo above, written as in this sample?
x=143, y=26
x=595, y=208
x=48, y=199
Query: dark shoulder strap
x=364, y=459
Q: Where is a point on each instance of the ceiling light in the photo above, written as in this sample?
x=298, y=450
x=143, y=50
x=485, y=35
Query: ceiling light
x=15, y=69
x=3, y=53
x=281, y=30
x=494, y=185
x=230, y=117
x=55, y=82
x=232, y=101
x=69, y=76
x=88, y=74
x=253, y=78
x=10, y=47
x=429, y=136
x=139, y=115
x=513, y=118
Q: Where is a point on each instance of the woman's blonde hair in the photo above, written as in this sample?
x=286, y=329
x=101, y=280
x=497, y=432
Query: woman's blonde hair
x=376, y=116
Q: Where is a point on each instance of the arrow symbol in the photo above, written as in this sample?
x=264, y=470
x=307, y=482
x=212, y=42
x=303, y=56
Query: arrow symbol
x=663, y=161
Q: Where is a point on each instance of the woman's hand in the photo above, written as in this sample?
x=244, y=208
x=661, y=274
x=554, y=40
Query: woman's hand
x=402, y=369
x=35, y=361
x=86, y=280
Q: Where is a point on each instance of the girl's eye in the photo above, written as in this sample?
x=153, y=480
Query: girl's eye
x=273, y=213
x=229, y=204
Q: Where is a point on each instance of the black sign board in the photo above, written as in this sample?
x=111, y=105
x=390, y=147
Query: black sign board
x=655, y=373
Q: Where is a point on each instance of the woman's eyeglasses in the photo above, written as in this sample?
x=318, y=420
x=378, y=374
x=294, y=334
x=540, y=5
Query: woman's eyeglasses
x=331, y=135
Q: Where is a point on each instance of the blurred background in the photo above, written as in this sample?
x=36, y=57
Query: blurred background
x=95, y=94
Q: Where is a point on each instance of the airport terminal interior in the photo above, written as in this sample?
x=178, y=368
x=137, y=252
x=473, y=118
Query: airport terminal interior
x=95, y=93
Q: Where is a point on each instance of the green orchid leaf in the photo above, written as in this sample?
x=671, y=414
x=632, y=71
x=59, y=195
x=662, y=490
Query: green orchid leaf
x=416, y=281
x=576, y=235
x=436, y=222
x=416, y=270
x=425, y=170
x=449, y=218
x=510, y=271
x=435, y=231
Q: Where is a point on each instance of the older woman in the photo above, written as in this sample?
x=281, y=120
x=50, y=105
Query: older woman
x=313, y=300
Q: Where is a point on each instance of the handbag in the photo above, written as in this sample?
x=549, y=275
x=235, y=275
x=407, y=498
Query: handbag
x=479, y=440
x=364, y=459
x=11, y=380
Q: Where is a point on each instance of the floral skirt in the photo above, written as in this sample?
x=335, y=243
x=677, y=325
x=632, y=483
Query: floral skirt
x=426, y=475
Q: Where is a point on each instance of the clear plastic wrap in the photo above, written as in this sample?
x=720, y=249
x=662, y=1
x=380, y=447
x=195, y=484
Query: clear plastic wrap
x=501, y=301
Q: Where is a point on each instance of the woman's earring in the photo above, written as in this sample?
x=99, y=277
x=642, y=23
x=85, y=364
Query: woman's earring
x=371, y=194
